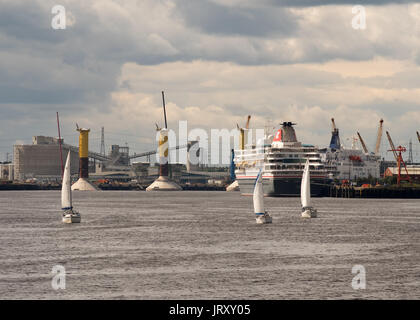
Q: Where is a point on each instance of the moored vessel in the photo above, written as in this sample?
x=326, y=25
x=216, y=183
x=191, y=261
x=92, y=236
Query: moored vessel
x=350, y=164
x=282, y=158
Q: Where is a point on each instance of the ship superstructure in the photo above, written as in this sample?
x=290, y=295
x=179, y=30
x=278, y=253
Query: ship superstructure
x=351, y=163
x=282, y=159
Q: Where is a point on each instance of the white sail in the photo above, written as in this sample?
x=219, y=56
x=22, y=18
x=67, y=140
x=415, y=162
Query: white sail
x=305, y=187
x=66, y=187
x=258, y=195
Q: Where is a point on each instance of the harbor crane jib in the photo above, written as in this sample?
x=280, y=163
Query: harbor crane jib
x=379, y=137
x=362, y=142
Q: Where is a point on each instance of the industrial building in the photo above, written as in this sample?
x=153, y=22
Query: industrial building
x=119, y=155
x=413, y=172
x=42, y=159
x=7, y=171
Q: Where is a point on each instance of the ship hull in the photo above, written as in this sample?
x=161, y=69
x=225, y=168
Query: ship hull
x=283, y=187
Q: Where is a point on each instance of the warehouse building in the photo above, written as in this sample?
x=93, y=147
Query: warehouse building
x=413, y=171
x=6, y=171
x=42, y=160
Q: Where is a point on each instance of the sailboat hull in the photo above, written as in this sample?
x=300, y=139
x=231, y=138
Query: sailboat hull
x=263, y=219
x=309, y=213
x=72, y=217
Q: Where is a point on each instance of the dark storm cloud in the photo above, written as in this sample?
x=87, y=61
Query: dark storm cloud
x=82, y=62
x=214, y=18
x=15, y=94
x=26, y=21
x=42, y=65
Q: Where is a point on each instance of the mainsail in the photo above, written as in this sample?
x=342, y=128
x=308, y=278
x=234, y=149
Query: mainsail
x=305, y=187
x=66, y=187
x=259, y=195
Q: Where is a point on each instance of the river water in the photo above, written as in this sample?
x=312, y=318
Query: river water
x=206, y=245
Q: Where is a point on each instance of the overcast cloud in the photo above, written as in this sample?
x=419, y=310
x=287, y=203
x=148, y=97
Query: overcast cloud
x=216, y=60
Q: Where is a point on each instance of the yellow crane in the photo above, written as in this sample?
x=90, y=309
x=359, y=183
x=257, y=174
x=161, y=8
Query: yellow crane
x=379, y=137
x=242, y=133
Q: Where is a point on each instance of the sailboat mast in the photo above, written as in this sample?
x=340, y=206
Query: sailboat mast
x=59, y=143
x=167, y=168
x=69, y=179
x=164, y=109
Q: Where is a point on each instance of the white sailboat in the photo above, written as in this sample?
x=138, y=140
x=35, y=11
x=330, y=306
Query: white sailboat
x=69, y=215
x=262, y=216
x=305, y=194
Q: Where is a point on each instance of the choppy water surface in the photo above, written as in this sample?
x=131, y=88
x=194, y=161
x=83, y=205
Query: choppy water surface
x=206, y=245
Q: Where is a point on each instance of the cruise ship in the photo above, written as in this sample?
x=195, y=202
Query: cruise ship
x=282, y=158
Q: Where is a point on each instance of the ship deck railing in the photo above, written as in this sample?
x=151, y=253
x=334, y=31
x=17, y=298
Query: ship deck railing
x=271, y=152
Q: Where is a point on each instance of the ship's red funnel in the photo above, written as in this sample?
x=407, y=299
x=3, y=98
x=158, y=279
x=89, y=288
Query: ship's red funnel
x=278, y=136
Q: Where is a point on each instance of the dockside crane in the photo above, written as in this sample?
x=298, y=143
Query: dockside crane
x=365, y=149
x=335, y=143
x=399, y=162
x=392, y=146
x=418, y=135
x=334, y=127
x=399, y=159
x=379, y=137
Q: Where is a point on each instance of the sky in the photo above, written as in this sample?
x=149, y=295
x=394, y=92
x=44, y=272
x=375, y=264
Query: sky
x=216, y=60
